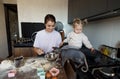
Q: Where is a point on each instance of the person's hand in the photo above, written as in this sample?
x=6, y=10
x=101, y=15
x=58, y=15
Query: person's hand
x=92, y=50
x=61, y=44
x=40, y=51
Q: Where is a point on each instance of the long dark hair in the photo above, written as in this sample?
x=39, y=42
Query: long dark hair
x=49, y=17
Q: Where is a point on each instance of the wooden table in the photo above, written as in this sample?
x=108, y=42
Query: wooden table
x=32, y=74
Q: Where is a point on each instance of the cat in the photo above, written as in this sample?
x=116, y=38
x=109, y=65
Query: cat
x=75, y=55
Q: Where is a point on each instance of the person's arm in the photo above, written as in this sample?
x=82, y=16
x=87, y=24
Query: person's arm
x=38, y=51
x=58, y=40
x=64, y=41
x=87, y=43
x=61, y=44
x=67, y=38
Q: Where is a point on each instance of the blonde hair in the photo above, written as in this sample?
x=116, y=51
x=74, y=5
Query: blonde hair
x=79, y=21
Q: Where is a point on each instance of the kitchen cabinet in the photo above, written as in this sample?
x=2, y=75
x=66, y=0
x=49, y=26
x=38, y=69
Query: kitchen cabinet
x=96, y=7
x=113, y=4
x=85, y=9
x=23, y=47
x=77, y=9
x=23, y=51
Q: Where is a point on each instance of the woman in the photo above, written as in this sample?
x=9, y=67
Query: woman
x=47, y=38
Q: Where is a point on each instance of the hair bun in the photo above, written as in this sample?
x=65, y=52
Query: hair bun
x=85, y=21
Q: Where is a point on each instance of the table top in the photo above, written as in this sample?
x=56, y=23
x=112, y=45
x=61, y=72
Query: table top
x=28, y=70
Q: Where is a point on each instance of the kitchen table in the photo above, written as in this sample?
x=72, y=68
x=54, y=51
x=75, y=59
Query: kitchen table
x=28, y=68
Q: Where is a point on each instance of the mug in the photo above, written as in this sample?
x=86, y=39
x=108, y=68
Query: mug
x=18, y=61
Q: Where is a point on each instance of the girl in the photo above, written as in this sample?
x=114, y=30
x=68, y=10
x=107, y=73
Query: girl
x=76, y=38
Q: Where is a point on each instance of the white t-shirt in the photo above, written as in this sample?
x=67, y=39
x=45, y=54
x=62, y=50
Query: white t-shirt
x=46, y=40
x=76, y=40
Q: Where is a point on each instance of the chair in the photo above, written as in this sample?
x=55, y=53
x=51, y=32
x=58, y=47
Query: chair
x=59, y=27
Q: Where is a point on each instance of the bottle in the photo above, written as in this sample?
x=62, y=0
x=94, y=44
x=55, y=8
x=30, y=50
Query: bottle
x=114, y=54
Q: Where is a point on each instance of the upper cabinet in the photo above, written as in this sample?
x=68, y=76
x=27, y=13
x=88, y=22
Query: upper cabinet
x=75, y=9
x=113, y=4
x=97, y=7
x=85, y=9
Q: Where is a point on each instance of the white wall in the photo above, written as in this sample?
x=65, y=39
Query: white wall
x=10, y=1
x=3, y=36
x=35, y=11
x=104, y=32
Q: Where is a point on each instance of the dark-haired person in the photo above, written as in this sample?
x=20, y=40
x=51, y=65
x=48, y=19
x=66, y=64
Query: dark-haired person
x=48, y=37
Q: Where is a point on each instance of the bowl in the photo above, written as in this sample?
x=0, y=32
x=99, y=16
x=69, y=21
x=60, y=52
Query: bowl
x=51, y=56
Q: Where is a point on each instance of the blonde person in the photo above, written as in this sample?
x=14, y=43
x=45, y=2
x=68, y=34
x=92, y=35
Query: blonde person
x=77, y=39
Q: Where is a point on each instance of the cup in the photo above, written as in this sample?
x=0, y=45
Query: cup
x=41, y=73
x=18, y=61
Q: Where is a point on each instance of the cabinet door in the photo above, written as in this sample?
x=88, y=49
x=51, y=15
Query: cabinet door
x=77, y=9
x=23, y=51
x=71, y=10
x=97, y=7
x=85, y=8
x=73, y=6
x=113, y=4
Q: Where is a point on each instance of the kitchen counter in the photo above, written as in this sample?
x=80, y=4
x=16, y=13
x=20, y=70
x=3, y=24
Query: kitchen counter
x=29, y=44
